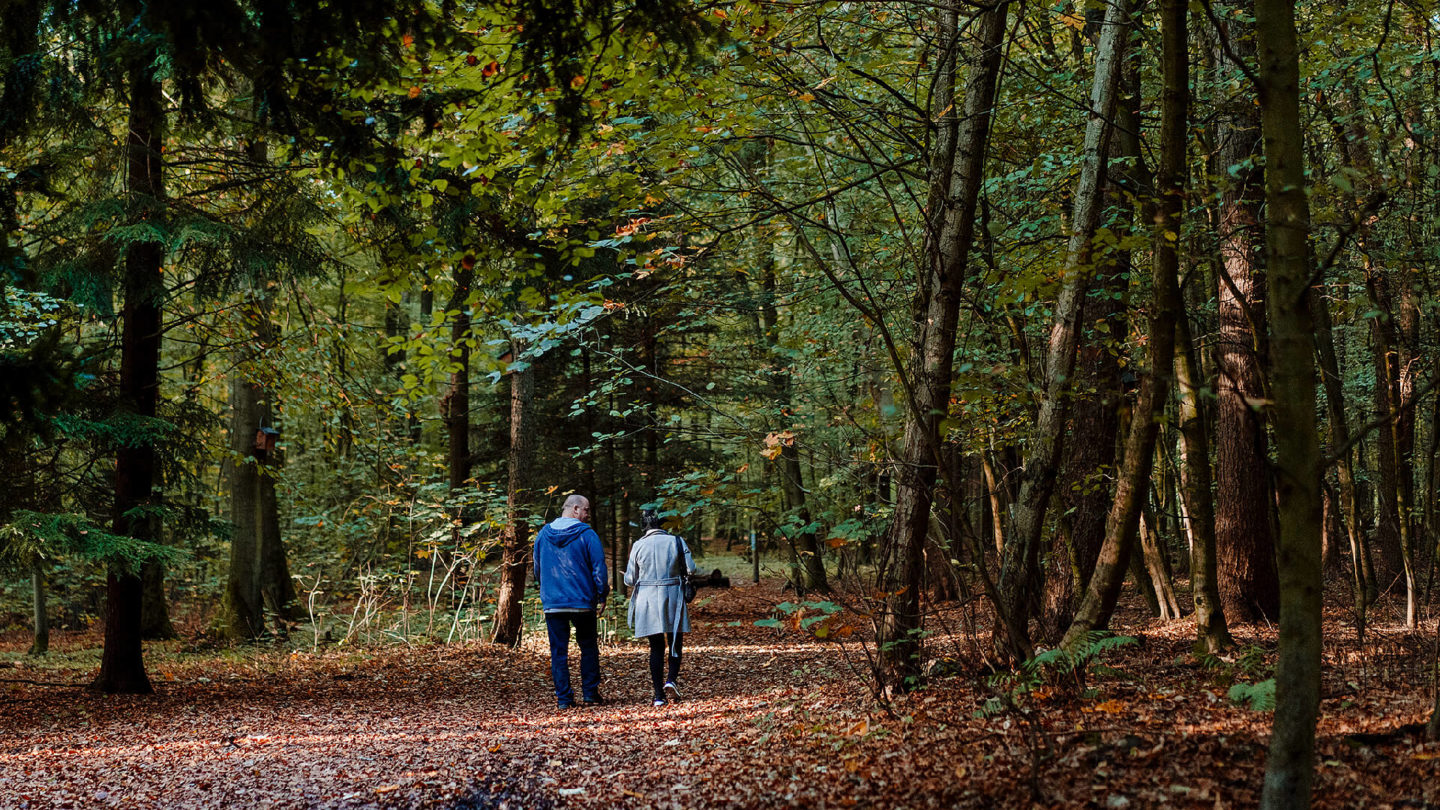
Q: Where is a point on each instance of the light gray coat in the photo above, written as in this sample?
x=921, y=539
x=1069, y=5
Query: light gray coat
x=657, y=601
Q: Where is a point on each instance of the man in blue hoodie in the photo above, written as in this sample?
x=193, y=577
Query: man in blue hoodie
x=570, y=573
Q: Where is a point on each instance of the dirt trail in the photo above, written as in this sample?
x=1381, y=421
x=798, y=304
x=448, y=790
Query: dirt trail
x=768, y=718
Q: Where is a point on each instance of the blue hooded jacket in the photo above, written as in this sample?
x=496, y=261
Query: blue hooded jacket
x=570, y=567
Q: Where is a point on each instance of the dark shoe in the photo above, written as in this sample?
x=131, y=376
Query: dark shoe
x=594, y=701
x=672, y=691
x=564, y=704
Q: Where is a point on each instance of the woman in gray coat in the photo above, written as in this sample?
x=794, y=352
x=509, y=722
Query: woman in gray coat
x=657, y=600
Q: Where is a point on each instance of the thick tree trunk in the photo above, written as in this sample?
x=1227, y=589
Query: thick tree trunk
x=1391, y=334
x=242, y=608
x=956, y=166
x=1244, y=540
x=259, y=575
x=1291, y=763
x=1089, y=469
x=1018, y=565
x=515, y=561
x=122, y=664
x=276, y=587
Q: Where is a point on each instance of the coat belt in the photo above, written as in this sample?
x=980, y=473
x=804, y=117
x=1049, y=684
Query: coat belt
x=666, y=581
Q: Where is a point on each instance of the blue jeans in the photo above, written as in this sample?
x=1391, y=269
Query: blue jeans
x=558, y=624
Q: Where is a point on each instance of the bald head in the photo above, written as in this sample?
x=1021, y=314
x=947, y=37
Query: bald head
x=576, y=506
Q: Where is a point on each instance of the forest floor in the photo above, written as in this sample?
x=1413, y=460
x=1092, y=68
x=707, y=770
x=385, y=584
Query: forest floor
x=770, y=717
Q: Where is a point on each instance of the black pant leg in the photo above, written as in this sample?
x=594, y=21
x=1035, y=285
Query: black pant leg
x=657, y=663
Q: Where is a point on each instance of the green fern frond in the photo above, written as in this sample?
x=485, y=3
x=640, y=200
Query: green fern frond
x=1260, y=696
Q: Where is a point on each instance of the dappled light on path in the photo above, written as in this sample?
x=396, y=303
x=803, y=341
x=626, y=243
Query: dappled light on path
x=766, y=720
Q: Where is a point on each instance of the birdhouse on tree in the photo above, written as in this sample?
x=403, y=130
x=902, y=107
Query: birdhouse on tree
x=265, y=439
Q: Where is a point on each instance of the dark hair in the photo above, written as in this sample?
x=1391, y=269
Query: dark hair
x=650, y=519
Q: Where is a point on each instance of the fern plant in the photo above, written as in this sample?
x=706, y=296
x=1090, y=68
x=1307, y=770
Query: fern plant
x=1070, y=667
x=1260, y=696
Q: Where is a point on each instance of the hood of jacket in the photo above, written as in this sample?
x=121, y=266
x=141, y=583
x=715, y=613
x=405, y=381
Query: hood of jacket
x=564, y=531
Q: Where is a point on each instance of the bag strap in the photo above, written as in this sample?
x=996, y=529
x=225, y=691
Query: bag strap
x=680, y=559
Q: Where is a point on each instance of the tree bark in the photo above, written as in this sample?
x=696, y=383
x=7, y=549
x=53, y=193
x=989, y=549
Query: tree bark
x=154, y=607
x=1157, y=565
x=1019, y=562
x=956, y=165
x=806, y=545
x=1212, y=634
x=40, y=643
x=1132, y=488
x=259, y=575
x=1363, y=566
x=456, y=403
x=1244, y=539
x=1289, y=768
x=242, y=609
x=122, y=664
x=508, y=608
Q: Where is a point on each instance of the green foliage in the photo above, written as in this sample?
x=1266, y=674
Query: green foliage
x=1259, y=696
x=38, y=535
x=1068, y=668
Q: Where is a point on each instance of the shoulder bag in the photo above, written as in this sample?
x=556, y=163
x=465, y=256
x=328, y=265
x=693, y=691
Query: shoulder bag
x=687, y=586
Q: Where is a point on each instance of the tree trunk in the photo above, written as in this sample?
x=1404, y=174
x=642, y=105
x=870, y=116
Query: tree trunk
x=259, y=575
x=1244, y=541
x=122, y=664
x=456, y=403
x=154, y=607
x=1131, y=490
x=277, y=589
x=1363, y=567
x=1212, y=634
x=956, y=164
x=1290, y=766
x=508, y=608
x=1157, y=566
x=242, y=609
x=41, y=643
x=805, y=544
x=1019, y=562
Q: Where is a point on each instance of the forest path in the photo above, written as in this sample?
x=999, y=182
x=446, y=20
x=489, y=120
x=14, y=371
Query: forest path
x=768, y=719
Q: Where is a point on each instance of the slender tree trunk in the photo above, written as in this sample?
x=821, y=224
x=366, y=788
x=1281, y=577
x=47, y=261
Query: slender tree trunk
x=956, y=166
x=1157, y=566
x=1018, y=565
x=456, y=403
x=811, y=561
x=1291, y=763
x=1131, y=490
x=122, y=664
x=508, y=612
x=41, y=637
x=1339, y=436
x=1212, y=635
